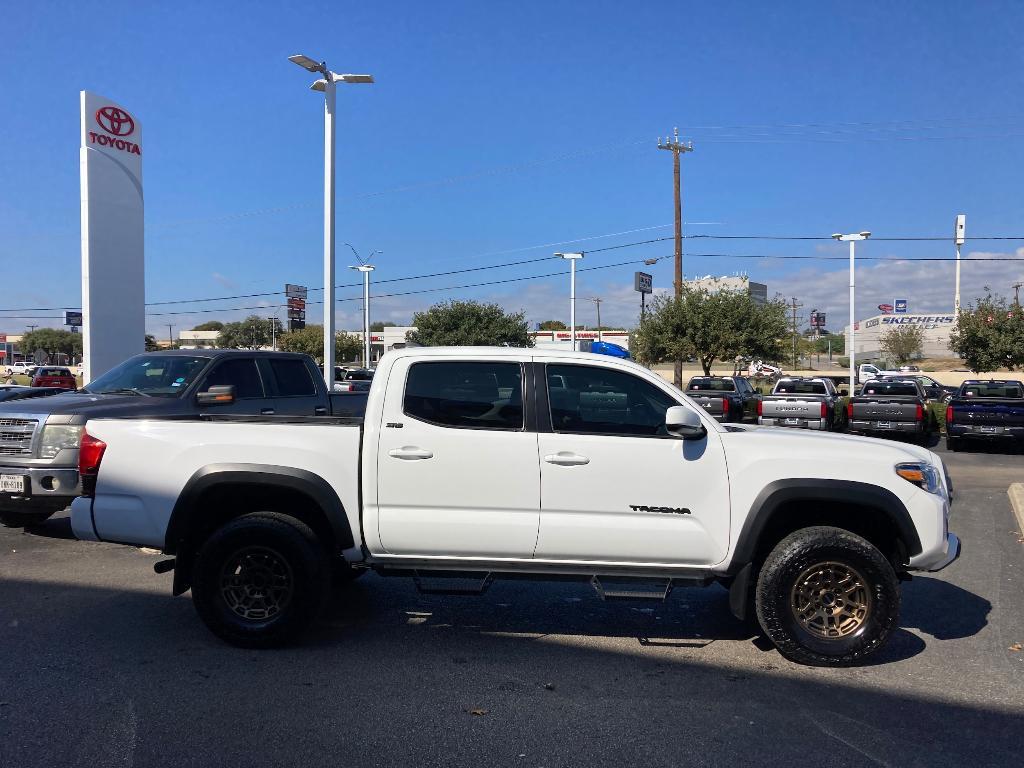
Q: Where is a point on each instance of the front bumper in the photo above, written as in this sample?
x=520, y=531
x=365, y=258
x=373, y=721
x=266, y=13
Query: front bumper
x=946, y=556
x=49, y=488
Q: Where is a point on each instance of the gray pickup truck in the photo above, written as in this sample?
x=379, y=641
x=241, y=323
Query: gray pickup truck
x=892, y=406
x=802, y=403
x=39, y=437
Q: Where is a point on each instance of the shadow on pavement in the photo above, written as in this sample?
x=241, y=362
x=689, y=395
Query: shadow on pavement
x=52, y=528
x=396, y=679
x=943, y=610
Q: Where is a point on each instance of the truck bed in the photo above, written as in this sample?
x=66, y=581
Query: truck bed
x=148, y=462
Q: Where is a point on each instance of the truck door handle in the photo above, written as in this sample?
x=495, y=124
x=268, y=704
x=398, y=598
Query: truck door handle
x=410, y=453
x=566, y=459
x=267, y=411
x=320, y=410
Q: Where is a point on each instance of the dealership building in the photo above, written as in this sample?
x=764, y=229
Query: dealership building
x=936, y=328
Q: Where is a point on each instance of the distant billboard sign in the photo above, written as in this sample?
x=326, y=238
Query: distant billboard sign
x=817, y=320
x=886, y=308
x=900, y=306
x=643, y=283
x=296, y=300
x=73, y=319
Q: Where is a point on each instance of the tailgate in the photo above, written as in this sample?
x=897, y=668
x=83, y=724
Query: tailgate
x=790, y=408
x=882, y=410
x=998, y=413
x=713, y=405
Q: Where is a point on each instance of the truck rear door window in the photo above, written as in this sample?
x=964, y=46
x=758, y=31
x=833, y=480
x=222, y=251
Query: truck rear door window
x=475, y=395
x=241, y=374
x=292, y=376
x=607, y=402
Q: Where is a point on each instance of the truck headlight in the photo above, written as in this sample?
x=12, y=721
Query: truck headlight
x=922, y=475
x=57, y=437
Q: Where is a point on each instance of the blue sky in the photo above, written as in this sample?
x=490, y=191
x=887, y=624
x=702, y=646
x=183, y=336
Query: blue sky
x=495, y=127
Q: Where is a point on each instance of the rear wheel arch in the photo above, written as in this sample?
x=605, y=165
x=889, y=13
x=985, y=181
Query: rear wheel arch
x=217, y=494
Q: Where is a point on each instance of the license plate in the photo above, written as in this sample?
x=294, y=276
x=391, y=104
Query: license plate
x=989, y=430
x=885, y=425
x=12, y=484
x=793, y=421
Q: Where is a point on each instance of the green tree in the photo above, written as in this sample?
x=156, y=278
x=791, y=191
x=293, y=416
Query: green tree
x=902, y=343
x=712, y=326
x=381, y=325
x=310, y=341
x=552, y=325
x=52, y=341
x=251, y=333
x=211, y=325
x=838, y=344
x=151, y=345
x=469, y=323
x=989, y=334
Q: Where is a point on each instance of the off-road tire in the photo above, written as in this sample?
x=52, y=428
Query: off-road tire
x=800, y=553
x=236, y=567
x=954, y=444
x=22, y=519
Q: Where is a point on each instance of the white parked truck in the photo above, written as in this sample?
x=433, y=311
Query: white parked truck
x=495, y=463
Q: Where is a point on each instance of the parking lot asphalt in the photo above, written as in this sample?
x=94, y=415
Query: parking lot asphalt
x=100, y=666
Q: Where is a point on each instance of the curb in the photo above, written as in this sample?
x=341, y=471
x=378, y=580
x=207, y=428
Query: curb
x=1016, y=494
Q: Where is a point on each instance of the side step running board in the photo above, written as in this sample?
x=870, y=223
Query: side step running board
x=653, y=591
x=432, y=584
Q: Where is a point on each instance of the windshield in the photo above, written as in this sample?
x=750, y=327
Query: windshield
x=158, y=375
x=800, y=388
x=711, y=385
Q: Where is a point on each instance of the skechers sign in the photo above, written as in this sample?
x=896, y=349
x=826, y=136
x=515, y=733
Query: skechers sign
x=117, y=123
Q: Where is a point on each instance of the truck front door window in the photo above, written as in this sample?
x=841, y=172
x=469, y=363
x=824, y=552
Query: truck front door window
x=606, y=402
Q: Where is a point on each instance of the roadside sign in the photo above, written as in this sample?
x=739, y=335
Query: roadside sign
x=642, y=282
x=900, y=306
x=296, y=298
x=886, y=308
x=73, y=319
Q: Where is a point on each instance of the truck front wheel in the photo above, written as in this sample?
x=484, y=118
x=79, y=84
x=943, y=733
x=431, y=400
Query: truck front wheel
x=260, y=580
x=827, y=597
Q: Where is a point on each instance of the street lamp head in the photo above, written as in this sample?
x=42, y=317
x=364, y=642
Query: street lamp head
x=319, y=85
x=569, y=255
x=307, y=63
x=351, y=78
x=650, y=262
x=363, y=268
x=865, y=235
x=837, y=235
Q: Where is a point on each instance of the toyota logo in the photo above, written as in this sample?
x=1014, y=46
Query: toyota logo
x=115, y=121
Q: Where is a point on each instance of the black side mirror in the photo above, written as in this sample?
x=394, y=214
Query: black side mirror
x=682, y=422
x=223, y=394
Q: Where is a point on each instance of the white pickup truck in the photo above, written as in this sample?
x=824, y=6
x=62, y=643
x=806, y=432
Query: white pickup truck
x=501, y=463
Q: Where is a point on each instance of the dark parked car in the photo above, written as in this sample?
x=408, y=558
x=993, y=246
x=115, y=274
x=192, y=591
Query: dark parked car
x=989, y=410
x=727, y=398
x=39, y=442
x=50, y=376
x=889, y=405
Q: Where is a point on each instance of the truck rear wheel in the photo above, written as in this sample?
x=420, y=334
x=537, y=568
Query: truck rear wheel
x=260, y=580
x=826, y=597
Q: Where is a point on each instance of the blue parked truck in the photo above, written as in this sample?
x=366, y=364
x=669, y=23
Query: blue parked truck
x=986, y=410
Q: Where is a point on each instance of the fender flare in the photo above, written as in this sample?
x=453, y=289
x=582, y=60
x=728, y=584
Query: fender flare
x=780, y=492
x=268, y=475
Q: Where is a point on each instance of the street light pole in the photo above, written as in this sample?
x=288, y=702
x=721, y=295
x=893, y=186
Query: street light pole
x=572, y=258
x=852, y=240
x=328, y=85
x=366, y=269
x=959, y=235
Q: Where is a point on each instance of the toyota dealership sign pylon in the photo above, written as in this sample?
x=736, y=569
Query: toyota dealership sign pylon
x=113, y=254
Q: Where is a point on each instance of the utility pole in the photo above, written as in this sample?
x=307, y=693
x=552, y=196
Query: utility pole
x=598, y=301
x=676, y=147
x=31, y=328
x=273, y=333
x=170, y=336
x=795, y=307
x=1016, y=292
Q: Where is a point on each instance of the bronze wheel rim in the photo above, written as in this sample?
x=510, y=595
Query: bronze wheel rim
x=256, y=583
x=831, y=600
